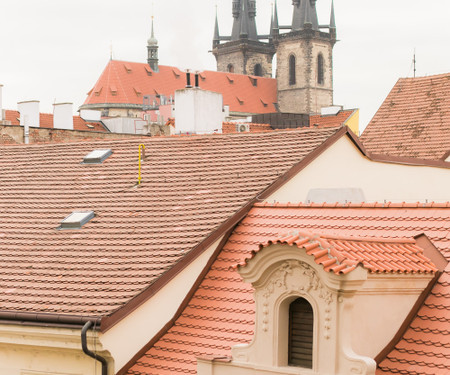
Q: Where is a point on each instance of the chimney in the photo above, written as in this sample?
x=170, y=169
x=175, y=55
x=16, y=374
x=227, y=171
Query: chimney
x=197, y=85
x=62, y=116
x=29, y=113
x=188, y=79
x=29, y=116
x=1, y=104
x=198, y=111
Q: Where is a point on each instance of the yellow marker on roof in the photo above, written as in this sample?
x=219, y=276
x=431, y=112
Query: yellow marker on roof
x=141, y=156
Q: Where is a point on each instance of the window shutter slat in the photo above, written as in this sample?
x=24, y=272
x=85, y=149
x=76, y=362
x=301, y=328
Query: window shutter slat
x=301, y=323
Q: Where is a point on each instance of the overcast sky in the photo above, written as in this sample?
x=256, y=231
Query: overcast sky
x=55, y=50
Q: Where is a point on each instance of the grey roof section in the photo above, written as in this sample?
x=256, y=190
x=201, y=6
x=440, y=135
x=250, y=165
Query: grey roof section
x=304, y=12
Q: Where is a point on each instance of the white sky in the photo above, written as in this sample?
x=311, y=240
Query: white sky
x=55, y=50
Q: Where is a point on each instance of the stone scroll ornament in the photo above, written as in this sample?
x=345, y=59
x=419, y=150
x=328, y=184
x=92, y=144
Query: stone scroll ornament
x=278, y=280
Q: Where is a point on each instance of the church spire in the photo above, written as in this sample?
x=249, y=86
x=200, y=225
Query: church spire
x=216, y=38
x=274, y=26
x=152, y=50
x=244, y=32
x=332, y=18
x=244, y=23
x=304, y=12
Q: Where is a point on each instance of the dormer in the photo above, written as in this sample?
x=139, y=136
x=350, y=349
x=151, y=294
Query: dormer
x=311, y=294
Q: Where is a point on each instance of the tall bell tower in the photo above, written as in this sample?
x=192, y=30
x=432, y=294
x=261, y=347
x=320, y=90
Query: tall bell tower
x=305, y=61
x=243, y=52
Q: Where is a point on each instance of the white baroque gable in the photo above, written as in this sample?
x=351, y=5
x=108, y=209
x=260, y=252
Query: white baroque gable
x=280, y=274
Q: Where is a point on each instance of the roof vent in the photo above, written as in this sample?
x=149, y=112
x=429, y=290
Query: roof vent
x=76, y=220
x=97, y=156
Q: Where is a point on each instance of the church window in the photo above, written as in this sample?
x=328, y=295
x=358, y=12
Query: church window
x=320, y=70
x=301, y=323
x=258, y=70
x=292, y=79
x=230, y=68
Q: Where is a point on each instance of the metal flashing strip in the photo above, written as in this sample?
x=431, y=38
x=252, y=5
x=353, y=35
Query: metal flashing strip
x=97, y=156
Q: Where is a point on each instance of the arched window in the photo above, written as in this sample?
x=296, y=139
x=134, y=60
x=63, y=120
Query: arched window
x=257, y=71
x=230, y=68
x=320, y=72
x=301, y=324
x=292, y=79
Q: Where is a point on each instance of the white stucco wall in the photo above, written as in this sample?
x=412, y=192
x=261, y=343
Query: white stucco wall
x=344, y=166
x=131, y=334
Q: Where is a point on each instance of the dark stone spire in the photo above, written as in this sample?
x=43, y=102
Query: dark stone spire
x=244, y=32
x=332, y=18
x=236, y=20
x=216, y=38
x=274, y=25
x=244, y=24
x=304, y=12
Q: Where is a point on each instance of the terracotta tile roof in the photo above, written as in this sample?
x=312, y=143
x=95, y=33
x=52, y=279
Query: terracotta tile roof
x=425, y=347
x=46, y=121
x=330, y=120
x=190, y=186
x=343, y=255
x=230, y=127
x=414, y=119
x=252, y=99
x=221, y=312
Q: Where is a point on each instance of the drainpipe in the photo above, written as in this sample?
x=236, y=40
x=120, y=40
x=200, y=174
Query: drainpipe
x=88, y=352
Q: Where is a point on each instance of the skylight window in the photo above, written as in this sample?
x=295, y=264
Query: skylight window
x=76, y=219
x=97, y=156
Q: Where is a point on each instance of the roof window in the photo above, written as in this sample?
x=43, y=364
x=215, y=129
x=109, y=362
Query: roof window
x=76, y=219
x=97, y=156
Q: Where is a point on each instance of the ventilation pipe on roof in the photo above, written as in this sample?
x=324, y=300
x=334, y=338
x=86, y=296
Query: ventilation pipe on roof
x=197, y=85
x=29, y=116
x=188, y=79
x=88, y=352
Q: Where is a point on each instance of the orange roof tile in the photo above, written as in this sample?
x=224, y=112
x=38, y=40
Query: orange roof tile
x=46, y=121
x=221, y=312
x=169, y=79
x=330, y=120
x=190, y=186
x=343, y=255
x=414, y=119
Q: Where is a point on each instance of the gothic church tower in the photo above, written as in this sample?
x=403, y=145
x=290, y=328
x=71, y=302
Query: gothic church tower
x=304, y=54
x=305, y=61
x=243, y=52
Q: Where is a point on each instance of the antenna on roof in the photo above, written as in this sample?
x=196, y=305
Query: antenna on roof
x=111, y=51
x=414, y=62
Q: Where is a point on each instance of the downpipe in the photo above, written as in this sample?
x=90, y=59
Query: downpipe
x=88, y=352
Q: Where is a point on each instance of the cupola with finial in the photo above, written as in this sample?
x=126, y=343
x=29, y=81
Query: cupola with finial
x=152, y=49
